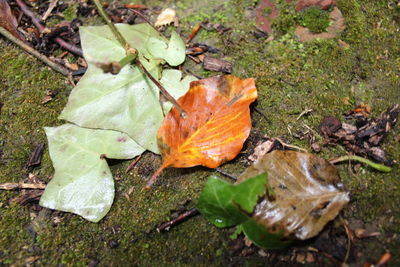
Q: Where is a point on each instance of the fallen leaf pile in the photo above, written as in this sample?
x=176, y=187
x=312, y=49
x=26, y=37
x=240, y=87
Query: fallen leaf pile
x=301, y=197
x=113, y=116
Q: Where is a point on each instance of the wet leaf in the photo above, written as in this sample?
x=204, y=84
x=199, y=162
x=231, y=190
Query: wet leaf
x=7, y=19
x=127, y=102
x=217, y=125
x=305, y=193
x=82, y=182
x=225, y=204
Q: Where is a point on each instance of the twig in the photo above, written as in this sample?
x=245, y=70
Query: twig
x=163, y=90
x=111, y=25
x=145, y=19
x=289, y=146
x=261, y=112
x=14, y=186
x=374, y=165
x=221, y=171
x=130, y=167
x=64, y=71
x=194, y=32
x=70, y=47
x=52, y=5
x=182, y=217
x=348, y=243
x=304, y=113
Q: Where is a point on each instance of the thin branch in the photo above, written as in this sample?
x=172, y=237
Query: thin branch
x=130, y=167
x=221, y=171
x=64, y=71
x=182, y=217
x=261, y=112
x=70, y=47
x=194, y=32
x=14, y=186
x=52, y=5
x=145, y=19
x=290, y=146
x=374, y=165
x=111, y=25
x=165, y=93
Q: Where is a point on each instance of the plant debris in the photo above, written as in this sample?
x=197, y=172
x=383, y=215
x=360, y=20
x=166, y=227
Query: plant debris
x=364, y=136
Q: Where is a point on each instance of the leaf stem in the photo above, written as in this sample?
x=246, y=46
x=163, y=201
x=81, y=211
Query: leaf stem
x=379, y=167
x=111, y=25
x=165, y=93
x=153, y=178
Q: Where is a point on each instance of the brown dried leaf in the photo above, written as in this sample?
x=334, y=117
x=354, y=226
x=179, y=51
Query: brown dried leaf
x=7, y=19
x=305, y=196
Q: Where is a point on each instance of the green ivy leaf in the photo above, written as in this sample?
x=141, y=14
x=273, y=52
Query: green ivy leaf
x=262, y=237
x=225, y=204
x=127, y=102
x=82, y=182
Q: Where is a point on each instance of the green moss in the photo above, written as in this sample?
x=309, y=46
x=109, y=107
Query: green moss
x=70, y=12
x=315, y=19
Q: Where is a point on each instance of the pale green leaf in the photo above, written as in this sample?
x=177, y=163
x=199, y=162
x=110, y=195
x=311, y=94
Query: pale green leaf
x=175, y=85
x=127, y=102
x=82, y=182
x=173, y=52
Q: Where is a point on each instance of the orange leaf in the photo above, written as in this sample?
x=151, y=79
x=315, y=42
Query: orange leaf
x=217, y=125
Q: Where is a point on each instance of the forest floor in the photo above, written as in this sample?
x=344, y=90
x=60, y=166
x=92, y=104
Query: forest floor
x=361, y=65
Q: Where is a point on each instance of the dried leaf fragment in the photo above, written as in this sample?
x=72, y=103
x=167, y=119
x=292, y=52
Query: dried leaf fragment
x=306, y=197
x=166, y=17
x=217, y=125
x=7, y=19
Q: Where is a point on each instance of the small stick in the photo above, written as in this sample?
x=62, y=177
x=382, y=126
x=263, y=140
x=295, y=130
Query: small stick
x=379, y=167
x=153, y=178
x=261, y=112
x=221, y=171
x=145, y=19
x=163, y=90
x=52, y=5
x=14, y=186
x=70, y=47
x=135, y=6
x=182, y=217
x=289, y=146
x=304, y=113
x=64, y=71
x=194, y=32
x=130, y=167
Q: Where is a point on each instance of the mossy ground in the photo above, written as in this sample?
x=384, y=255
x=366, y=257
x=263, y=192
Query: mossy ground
x=291, y=77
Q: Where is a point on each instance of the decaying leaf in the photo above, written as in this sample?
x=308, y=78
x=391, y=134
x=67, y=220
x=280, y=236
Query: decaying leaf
x=305, y=193
x=226, y=205
x=217, y=125
x=129, y=101
x=166, y=17
x=82, y=182
x=7, y=19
